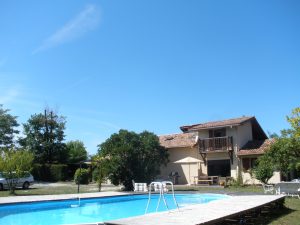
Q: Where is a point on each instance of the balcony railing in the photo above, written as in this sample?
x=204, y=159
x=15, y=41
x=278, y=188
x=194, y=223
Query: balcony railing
x=216, y=144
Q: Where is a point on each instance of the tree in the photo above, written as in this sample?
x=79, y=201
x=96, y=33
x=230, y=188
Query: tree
x=131, y=156
x=273, y=135
x=284, y=153
x=294, y=120
x=100, y=170
x=76, y=152
x=264, y=170
x=8, y=125
x=44, y=136
x=13, y=165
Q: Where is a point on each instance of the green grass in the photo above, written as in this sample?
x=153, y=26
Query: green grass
x=289, y=215
x=221, y=190
x=62, y=188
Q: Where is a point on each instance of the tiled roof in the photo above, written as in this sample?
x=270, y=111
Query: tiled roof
x=256, y=147
x=178, y=140
x=215, y=124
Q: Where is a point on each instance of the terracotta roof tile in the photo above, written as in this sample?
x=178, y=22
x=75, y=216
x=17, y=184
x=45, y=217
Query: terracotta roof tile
x=214, y=124
x=178, y=140
x=256, y=147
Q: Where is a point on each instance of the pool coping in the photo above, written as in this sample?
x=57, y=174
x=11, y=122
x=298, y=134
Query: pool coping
x=61, y=197
x=200, y=214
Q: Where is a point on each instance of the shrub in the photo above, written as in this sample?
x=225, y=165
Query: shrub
x=50, y=172
x=95, y=175
x=58, y=172
x=81, y=176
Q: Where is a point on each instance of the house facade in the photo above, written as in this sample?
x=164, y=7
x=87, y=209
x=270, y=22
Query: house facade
x=218, y=148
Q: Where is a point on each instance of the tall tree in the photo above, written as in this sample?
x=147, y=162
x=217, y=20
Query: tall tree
x=44, y=136
x=294, y=121
x=76, y=152
x=131, y=156
x=8, y=125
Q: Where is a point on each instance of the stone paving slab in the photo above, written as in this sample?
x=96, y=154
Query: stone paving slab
x=202, y=213
x=37, y=198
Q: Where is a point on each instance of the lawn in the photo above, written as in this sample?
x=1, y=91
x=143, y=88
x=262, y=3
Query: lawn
x=289, y=215
x=58, y=188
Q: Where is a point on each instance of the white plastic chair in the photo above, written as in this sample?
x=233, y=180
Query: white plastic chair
x=268, y=188
x=157, y=187
x=140, y=187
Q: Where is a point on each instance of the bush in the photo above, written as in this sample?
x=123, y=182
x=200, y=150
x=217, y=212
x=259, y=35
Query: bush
x=50, y=172
x=81, y=176
x=59, y=172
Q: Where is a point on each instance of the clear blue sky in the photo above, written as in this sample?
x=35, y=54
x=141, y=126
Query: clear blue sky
x=149, y=65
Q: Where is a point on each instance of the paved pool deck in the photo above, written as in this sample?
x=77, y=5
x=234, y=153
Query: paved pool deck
x=208, y=213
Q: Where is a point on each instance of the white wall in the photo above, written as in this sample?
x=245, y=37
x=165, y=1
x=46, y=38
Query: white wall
x=244, y=133
x=247, y=179
x=185, y=170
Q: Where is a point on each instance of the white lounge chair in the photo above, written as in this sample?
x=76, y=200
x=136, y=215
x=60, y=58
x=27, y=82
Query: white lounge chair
x=268, y=188
x=288, y=188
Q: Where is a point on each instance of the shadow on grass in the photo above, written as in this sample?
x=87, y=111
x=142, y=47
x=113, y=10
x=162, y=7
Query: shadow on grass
x=280, y=215
x=275, y=216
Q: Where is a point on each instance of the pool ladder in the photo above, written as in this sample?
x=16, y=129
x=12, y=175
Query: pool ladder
x=76, y=205
x=161, y=186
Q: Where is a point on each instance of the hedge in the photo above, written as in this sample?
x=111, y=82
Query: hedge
x=50, y=172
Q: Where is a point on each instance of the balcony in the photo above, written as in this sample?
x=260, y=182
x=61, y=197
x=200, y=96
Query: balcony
x=216, y=144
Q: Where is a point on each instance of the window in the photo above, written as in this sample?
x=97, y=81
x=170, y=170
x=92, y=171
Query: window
x=249, y=163
x=217, y=133
x=218, y=168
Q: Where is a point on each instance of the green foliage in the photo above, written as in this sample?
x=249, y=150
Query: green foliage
x=131, y=156
x=44, y=136
x=284, y=154
x=81, y=176
x=264, y=170
x=58, y=172
x=13, y=164
x=235, y=183
x=8, y=123
x=50, y=172
x=273, y=135
x=76, y=152
x=100, y=171
x=294, y=121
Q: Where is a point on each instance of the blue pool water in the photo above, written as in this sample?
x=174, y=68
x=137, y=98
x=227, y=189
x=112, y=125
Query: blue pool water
x=93, y=210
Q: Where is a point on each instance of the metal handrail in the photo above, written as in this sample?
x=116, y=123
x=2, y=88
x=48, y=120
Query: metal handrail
x=161, y=186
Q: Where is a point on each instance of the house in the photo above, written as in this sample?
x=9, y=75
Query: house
x=218, y=148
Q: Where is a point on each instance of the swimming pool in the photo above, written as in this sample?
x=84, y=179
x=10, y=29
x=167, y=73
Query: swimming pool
x=93, y=210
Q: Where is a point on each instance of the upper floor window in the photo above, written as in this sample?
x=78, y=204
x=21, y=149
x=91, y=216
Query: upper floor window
x=217, y=133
